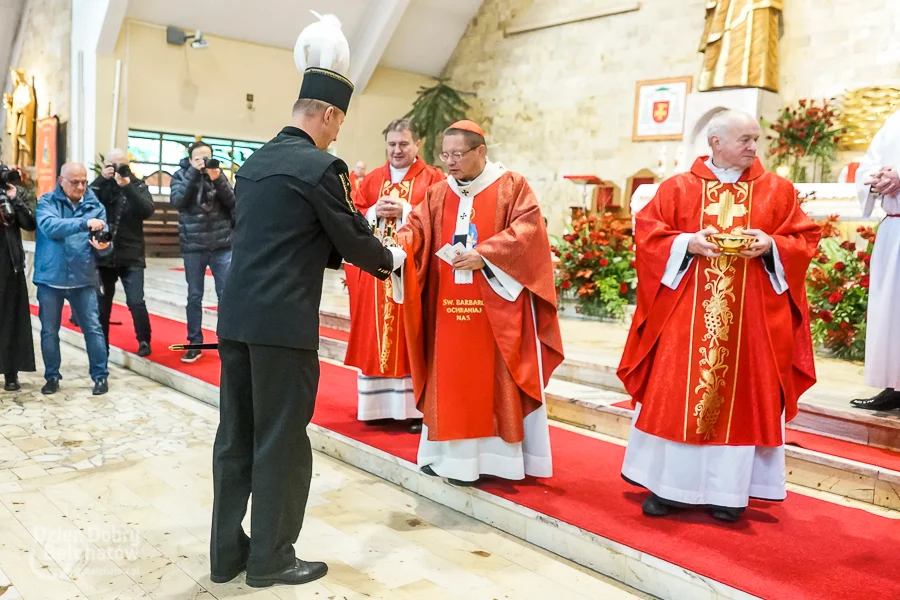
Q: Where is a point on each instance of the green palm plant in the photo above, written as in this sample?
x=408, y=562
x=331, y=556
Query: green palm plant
x=434, y=110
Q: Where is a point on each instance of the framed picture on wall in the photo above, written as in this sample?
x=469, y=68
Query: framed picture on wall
x=659, y=107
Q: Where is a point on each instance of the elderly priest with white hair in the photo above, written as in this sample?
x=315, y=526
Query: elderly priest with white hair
x=719, y=349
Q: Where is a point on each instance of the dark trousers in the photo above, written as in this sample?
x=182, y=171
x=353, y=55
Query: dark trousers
x=133, y=282
x=16, y=345
x=267, y=398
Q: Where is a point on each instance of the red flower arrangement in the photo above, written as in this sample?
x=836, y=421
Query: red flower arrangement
x=838, y=288
x=804, y=130
x=597, y=261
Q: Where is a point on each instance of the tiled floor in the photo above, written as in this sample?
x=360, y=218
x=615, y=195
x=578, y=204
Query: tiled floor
x=109, y=499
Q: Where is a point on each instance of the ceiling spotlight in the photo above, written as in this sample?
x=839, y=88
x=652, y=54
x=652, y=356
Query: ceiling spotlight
x=177, y=37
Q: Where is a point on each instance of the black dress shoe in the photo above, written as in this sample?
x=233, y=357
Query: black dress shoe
x=300, y=572
x=460, y=483
x=101, y=386
x=889, y=399
x=228, y=576
x=654, y=507
x=51, y=387
x=144, y=349
x=726, y=513
x=429, y=471
x=12, y=384
x=415, y=426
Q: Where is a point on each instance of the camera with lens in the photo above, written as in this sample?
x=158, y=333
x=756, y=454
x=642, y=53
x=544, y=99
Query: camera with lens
x=124, y=171
x=7, y=177
x=101, y=237
x=210, y=163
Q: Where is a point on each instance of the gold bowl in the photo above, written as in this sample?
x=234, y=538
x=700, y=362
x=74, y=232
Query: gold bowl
x=731, y=243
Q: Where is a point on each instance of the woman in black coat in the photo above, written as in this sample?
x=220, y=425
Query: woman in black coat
x=16, y=345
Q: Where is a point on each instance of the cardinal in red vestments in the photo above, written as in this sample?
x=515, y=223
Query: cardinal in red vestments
x=481, y=318
x=377, y=341
x=720, y=347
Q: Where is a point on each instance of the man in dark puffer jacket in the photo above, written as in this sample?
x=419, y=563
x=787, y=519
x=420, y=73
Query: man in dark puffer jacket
x=205, y=202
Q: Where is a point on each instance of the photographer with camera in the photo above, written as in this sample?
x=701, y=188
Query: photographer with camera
x=205, y=202
x=71, y=234
x=128, y=204
x=16, y=344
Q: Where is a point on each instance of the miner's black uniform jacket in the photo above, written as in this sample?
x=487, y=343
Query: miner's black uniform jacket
x=294, y=218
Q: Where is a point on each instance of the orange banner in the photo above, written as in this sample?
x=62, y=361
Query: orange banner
x=46, y=165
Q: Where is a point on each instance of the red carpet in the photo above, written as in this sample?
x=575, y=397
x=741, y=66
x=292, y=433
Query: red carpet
x=879, y=457
x=800, y=549
x=181, y=270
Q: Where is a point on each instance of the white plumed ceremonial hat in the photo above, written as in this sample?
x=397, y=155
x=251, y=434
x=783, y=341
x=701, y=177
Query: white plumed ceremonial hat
x=323, y=45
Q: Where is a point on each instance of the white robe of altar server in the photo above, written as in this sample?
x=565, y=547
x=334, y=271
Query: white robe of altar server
x=387, y=397
x=467, y=460
x=693, y=474
x=883, y=331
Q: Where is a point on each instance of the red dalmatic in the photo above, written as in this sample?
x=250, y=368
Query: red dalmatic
x=717, y=360
x=377, y=344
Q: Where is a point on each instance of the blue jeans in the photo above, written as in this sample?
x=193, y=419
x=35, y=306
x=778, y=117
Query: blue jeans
x=83, y=301
x=195, y=264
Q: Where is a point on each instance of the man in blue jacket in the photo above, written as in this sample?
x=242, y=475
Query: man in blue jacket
x=65, y=269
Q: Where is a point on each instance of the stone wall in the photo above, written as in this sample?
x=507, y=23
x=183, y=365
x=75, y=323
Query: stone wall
x=560, y=101
x=45, y=54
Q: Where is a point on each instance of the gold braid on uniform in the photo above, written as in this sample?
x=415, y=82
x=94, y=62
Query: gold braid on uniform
x=345, y=182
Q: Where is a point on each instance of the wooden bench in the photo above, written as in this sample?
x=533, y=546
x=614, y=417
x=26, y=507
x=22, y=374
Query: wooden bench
x=161, y=230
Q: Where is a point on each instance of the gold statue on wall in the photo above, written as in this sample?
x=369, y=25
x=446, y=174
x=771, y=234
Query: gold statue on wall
x=740, y=44
x=21, y=107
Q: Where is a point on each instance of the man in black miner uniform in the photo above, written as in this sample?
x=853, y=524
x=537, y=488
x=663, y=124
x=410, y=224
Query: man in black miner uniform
x=294, y=218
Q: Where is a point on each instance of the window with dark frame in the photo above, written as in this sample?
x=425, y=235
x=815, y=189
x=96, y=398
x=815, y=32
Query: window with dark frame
x=155, y=155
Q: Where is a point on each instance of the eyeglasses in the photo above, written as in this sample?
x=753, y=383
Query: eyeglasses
x=456, y=156
x=77, y=182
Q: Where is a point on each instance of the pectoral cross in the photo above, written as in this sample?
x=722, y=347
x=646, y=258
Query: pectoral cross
x=726, y=210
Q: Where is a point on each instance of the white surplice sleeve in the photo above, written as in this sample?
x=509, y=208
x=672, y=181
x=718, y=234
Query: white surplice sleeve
x=870, y=163
x=397, y=275
x=779, y=282
x=674, y=272
x=502, y=283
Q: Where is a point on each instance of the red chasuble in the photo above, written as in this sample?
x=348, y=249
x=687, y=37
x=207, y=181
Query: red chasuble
x=473, y=355
x=377, y=344
x=718, y=359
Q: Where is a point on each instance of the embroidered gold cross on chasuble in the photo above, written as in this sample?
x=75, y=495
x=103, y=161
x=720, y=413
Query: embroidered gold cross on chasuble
x=717, y=319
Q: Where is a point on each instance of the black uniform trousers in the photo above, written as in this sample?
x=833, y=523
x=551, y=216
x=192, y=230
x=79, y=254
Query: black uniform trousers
x=268, y=395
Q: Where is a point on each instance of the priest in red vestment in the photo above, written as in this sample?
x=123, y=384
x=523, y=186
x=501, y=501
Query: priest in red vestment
x=356, y=176
x=481, y=320
x=720, y=348
x=377, y=342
